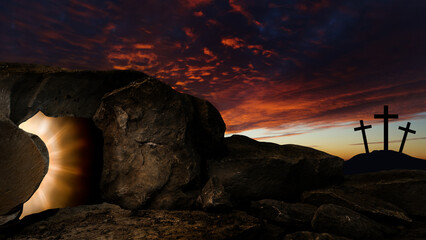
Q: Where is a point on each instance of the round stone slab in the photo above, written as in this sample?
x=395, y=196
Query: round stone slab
x=22, y=166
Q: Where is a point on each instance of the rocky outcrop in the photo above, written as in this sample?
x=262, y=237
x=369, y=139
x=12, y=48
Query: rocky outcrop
x=107, y=221
x=403, y=188
x=290, y=215
x=213, y=196
x=155, y=143
x=22, y=167
x=342, y=221
x=362, y=203
x=382, y=160
x=255, y=170
x=26, y=89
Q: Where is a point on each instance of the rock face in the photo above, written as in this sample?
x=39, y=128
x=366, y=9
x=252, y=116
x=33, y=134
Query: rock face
x=342, y=221
x=295, y=215
x=353, y=199
x=255, y=170
x=22, y=166
x=155, y=142
x=403, y=188
x=380, y=161
x=106, y=221
x=26, y=89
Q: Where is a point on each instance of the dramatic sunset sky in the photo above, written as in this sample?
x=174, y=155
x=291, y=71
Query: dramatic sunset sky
x=289, y=71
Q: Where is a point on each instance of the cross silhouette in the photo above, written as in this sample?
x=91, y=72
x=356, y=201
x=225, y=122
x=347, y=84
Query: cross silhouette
x=386, y=116
x=406, y=131
x=364, y=136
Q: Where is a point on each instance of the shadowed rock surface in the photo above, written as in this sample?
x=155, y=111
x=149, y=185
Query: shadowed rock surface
x=256, y=170
x=304, y=235
x=290, y=215
x=213, y=196
x=26, y=89
x=380, y=161
x=107, y=221
x=353, y=199
x=155, y=143
x=342, y=221
x=22, y=166
x=403, y=188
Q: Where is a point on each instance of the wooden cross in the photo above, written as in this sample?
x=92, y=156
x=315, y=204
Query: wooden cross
x=406, y=131
x=364, y=136
x=386, y=116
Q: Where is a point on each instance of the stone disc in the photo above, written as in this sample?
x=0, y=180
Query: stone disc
x=22, y=166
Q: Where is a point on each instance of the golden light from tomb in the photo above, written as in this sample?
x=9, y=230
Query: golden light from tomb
x=68, y=180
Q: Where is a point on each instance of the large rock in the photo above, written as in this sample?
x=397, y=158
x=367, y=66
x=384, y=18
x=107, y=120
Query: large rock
x=403, y=188
x=29, y=88
x=342, y=221
x=257, y=170
x=155, y=144
x=22, y=166
x=106, y=221
x=295, y=215
x=353, y=199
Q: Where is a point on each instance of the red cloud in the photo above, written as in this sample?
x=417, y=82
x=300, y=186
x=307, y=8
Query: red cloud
x=233, y=42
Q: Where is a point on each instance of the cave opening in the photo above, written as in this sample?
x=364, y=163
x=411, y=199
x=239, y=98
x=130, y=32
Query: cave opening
x=75, y=147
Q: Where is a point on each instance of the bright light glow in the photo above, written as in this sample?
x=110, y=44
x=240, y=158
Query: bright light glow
x=63, y=185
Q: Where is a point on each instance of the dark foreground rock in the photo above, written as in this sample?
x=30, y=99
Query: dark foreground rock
x=362, y=203
x=342, y=221
x=29, y=88
x=403, y=188
x=290, y=215
x=381, y=161
x=22, y=167
x=304, y=235
x=106, y=221
x=256, y=170
x=155, y=144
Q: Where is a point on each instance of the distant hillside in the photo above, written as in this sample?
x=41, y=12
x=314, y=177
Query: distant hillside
x=382, y=160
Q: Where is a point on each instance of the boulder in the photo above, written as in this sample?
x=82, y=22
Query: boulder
x=342, y=221
x=403, y=188
x=304, y=235
x=107, y=221
x=213, y=196
x=10, y=218
x=255, y=170
x=156, y=141
x=29, y=88
x=294, y=215
x=22, y=166
x=381, y=161
x=363, y=203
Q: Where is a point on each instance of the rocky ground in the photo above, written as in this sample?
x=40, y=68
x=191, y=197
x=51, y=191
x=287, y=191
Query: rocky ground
x=169, y=173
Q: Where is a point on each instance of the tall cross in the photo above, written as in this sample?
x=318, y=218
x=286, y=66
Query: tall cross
x=386, y=116
x=364, y=136
x=406, y=131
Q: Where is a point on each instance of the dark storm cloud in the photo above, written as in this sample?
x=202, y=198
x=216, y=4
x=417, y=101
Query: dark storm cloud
x=262, y=63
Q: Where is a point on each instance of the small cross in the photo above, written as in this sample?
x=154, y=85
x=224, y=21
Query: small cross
x=364, y=136
x=406, y=131
x=386, y=116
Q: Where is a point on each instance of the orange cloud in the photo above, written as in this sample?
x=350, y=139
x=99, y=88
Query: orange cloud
x=233, y=42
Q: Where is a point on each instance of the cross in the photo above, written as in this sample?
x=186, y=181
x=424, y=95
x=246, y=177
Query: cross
x=386, y=116
x=364, y=136
x=406, y=131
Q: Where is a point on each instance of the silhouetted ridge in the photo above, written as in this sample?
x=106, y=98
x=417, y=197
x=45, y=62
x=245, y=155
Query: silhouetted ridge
x=382, y=160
